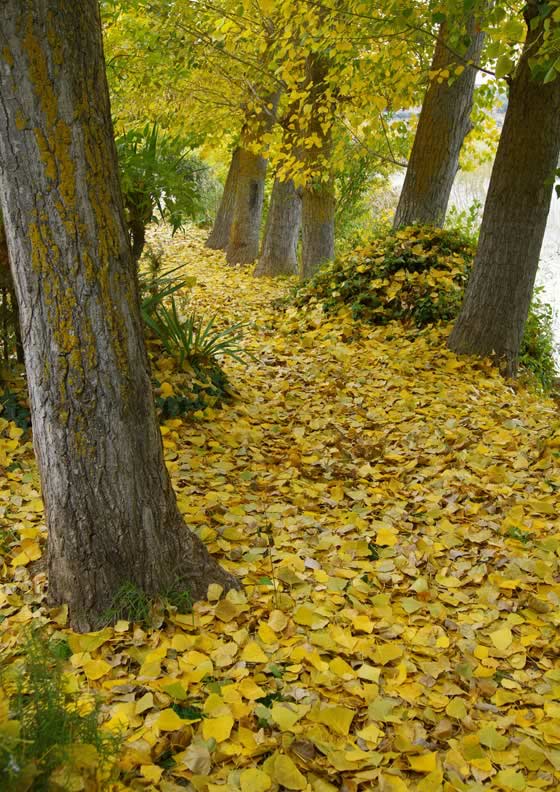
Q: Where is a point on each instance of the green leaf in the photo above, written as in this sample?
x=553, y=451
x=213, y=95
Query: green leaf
x=504, y=66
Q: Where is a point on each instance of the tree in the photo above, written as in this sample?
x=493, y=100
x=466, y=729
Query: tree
x=281, y=235
x=219, y=236
x=10, y=335
x=442, y=127
x=111, y=512
x=245, y=229
x=499, y=290
x=318, y=199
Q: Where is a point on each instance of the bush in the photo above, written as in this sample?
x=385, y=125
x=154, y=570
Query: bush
x=195, y=340
x=536, y=354
x=160, y=179
x=49, y=740
x=414, y=275
x=417, y=276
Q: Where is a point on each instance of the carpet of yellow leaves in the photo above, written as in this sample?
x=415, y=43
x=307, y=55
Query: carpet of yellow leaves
x=392, y=512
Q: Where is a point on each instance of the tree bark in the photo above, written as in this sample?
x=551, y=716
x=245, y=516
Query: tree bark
x=137, y=233
x=244, y=234
x=318, y=195
x=497, y=298
x=10, y=313
x=442, y=127
x=279, y=248
x=318, y=210
x=243, y=245
x=110, y=508
x=219, y=236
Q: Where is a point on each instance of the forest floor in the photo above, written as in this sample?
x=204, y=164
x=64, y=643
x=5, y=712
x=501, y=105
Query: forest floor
x=393, y=514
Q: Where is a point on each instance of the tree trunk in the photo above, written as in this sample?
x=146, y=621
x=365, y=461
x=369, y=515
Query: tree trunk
x=243, y=246
x=137, y=233
x=9, y=306
x=110, y=508
x=443, y=125
x=318, y=195
x=318, y=210
x=279, y=249
x=498, y=294
x=219, y=236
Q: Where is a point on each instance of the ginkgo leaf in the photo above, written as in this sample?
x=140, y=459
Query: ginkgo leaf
x=217, y=728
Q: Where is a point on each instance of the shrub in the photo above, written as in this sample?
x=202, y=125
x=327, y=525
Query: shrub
x=536, y=354
x=48, y=741
x=193, y=342
x=417, y=276
x=193, y=339
x=159, y=180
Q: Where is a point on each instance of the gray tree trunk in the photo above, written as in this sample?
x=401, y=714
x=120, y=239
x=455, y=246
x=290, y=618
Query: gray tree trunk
x=243, y=245
x=219, y=236
x=279, y=248
x=110, y=508
x=8, y=303
x=318, y=211
x=498, y=294
x=442, y=127
x=318, y=195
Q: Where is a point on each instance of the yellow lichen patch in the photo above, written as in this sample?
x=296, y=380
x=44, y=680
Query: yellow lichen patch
x=7, y=55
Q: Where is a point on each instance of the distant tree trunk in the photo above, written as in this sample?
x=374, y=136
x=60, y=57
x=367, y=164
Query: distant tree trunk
x=243, y=245
x=137, y=231
x=443, y=125
x=110, y=508
x=498, y=294
x=9, y=306
x=318, y=211
x=318, y=195
x=279, y=249
x=219, y=236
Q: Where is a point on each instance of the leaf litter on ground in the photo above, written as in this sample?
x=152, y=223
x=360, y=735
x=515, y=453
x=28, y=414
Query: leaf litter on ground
x=392, y=511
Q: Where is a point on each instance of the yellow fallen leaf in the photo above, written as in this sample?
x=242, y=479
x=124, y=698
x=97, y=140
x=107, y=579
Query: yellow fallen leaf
x=214, y=592
x=254, y=780
x=95, y=669
x=386, y=537
x=267, y=634
x=363, y=623
x=151, y=773
x=370, y=733
x=308, y=617
x=252, y=653
x=30, y=551
x=250, y=690
x=284, y=772
x=510, y=779
x=337, y=718
x=277, y=621
x=386, y=653
x=426, y=763
x=144, y=703
x=166, y=390
x=286, y=715
x=502, y=638
x=219, y=728
x=168, y=720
